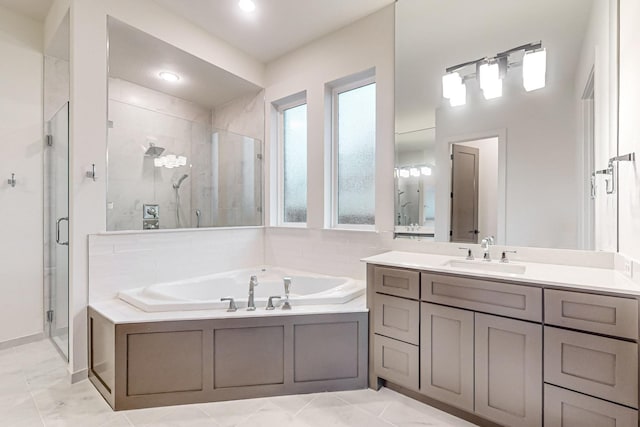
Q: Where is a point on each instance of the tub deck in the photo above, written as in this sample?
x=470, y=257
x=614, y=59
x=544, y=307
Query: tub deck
x=139, y=359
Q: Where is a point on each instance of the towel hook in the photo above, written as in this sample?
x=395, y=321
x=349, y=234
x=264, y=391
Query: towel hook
x=92, y=173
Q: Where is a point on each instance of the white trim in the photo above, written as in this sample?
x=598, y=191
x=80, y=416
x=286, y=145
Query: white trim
x=333, y=170
x=21, y=341
x=501, y=134
x=293, y=101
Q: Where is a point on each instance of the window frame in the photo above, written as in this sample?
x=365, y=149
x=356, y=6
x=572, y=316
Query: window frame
x=280, y=109
x=335, y=92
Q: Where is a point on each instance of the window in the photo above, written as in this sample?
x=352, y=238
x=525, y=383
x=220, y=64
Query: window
x=293, y=141
x=354, y=137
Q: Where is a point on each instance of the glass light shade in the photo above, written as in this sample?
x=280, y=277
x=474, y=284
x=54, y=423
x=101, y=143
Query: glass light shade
x=425, y=170
x=404, y=173
x=459, y=97
x=451, y=83
x=414, y=172
x=490, y=81
x=534, y=70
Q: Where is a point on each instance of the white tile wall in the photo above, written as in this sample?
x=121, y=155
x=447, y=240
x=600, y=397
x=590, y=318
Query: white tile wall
x=119, y=261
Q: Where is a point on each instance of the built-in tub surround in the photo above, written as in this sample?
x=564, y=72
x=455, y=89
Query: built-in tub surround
x=206, y=292
x=139, y=359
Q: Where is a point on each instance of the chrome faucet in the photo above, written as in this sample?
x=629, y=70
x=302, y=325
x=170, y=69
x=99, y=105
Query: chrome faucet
x=253, y=282
x=287, y=286
x=485, y=244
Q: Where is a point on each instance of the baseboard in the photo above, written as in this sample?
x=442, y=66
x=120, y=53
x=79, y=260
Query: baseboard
x=22, y=340
x=79, y=376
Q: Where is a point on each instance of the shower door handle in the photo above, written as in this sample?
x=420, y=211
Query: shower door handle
x=58, y=231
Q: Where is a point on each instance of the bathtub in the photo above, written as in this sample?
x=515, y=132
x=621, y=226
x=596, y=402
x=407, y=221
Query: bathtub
x=204, y=293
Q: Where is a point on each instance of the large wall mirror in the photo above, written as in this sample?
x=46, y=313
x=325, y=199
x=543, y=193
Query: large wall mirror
x=524, y=161
x=184, y=139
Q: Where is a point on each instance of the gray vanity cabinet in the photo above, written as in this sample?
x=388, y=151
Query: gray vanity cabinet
x=446, y=355
x=508, y=371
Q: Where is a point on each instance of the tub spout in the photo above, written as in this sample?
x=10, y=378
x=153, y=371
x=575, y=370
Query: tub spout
x=251, y=304
x=287, y=287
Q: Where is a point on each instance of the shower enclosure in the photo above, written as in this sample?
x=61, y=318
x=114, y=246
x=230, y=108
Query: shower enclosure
x=165, y=171
x=56, y=226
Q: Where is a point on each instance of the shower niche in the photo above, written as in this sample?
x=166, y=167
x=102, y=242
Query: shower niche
x=184, y=139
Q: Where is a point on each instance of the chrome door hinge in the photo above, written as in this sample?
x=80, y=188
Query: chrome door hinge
x=49, y=140
x=49, y=316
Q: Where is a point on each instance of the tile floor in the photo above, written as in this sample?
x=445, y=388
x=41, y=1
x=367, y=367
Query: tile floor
x=35, y=391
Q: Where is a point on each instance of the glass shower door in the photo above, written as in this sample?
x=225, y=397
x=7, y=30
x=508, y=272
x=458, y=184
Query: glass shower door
x=56, y=253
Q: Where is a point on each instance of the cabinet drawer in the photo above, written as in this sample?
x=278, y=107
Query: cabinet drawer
x=396, y=361
x=394, y=281
x=519, y=301
x=598, y=366
x=397, y=318
x=594, y=313
x=564, y=408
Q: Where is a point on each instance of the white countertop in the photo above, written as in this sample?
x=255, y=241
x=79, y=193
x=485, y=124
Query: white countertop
x=119, y=311
x=579, y=278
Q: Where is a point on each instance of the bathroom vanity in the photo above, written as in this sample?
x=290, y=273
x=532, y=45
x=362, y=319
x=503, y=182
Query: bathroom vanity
x=553, y=345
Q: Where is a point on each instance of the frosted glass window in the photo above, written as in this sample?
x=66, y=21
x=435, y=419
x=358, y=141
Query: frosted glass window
x=294, y=159
x=356, y=138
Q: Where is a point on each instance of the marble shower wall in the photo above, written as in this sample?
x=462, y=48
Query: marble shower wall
x=140, y=117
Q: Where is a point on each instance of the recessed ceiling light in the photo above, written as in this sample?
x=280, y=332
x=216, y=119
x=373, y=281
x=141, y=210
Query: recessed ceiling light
x=169, y=76
x=247, y=5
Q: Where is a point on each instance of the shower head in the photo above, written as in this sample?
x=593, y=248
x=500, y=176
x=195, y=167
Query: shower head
x=179, y=183
x=153, y=150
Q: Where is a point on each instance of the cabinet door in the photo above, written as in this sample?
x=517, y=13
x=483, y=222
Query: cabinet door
x=446, y=355
x=564, y=408
x=508, y=371
x=396, y=361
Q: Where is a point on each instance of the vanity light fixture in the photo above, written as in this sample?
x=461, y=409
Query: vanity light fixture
x=490, y=81
x=425, y=170
x=534, y=69
x=170, y=161
x=247, y=5
x=414, y=172
x=490, y=71
x=169, y=76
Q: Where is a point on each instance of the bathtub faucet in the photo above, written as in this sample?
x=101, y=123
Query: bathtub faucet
x=253, y=282
x=287, y=287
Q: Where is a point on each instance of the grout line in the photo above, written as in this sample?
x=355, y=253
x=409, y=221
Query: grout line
x=304, y=406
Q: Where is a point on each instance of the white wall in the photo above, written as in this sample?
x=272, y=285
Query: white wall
x=88, y=127
x=21, y=208
x=366, y=44
x=119, y=261
x=599, y=54
x=629, y=184
x=541, y=201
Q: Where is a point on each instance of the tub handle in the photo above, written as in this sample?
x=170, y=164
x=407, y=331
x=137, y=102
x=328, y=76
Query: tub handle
x=270, y=305
x=232, y=304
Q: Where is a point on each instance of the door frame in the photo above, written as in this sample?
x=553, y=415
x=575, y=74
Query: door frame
x=445, y=198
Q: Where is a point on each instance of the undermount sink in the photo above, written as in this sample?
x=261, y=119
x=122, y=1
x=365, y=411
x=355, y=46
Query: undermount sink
x=493, y=266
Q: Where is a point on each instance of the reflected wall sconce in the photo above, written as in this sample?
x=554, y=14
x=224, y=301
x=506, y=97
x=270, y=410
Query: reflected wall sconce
x=12, y=181
x=412, y=171
x=490, y=71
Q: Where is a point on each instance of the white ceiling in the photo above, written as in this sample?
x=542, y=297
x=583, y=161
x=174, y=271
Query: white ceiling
x=34, y=9
x=276, y=26
x=139, y=58
x=432, y=35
